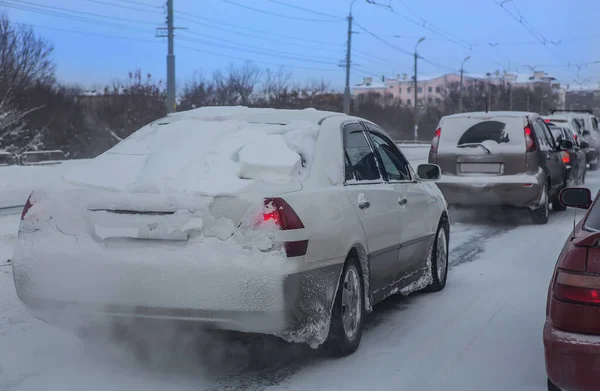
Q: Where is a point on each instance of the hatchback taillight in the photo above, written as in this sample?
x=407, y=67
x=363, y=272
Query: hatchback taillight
x=436, y=140
x=26, y=208
x=566, y=158
x=529, y=139
x=577, y=288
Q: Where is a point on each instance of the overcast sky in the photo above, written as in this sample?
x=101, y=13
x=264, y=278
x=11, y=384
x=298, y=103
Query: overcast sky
x=100, y=40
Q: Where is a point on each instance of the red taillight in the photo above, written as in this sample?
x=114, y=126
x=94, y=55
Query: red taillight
x=26, y=208
x=280, y=212
x=547, y=120
x=577, y=288
x=566, y=158
x=284, y=216
x=529, y=139
x=574, y=135
x=436, y=140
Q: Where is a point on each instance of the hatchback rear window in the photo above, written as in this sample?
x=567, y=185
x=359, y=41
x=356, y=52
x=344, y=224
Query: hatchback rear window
x=488, y=133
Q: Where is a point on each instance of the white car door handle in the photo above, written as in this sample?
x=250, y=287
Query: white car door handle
x=364, y=204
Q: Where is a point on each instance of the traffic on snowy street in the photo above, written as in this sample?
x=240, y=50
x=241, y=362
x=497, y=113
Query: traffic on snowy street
x=492, y=301
x=274, y=195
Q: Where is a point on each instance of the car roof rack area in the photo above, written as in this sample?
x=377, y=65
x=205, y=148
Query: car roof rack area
x=571, y=111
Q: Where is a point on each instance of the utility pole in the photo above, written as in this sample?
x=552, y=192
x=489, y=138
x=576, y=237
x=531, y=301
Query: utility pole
x=415, y=114
x=510, y=96
x=170, y=60
x=460, y=102
x=170, y=35
x=348, y=62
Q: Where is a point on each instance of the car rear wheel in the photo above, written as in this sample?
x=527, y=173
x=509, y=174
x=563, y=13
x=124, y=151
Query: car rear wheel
x=347, y=315
x=541, y=214
x=594, y=166
x=552, y=386
x=439, y=258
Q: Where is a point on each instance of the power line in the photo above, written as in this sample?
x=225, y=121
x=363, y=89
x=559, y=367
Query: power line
x=124, y=6
x=424, y=24
x=60, y=9
x=403, y=51
x=186, y=16
x=71, y=17
x=255, y=61
x=304, y=9
x=88, y=32
x=246, y=47
x=276, y=14
x=257, y=36
x=527, y=27
x=140, y=3
x=259, y=52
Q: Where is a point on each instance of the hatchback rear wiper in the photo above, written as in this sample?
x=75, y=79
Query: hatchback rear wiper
x=471, y=145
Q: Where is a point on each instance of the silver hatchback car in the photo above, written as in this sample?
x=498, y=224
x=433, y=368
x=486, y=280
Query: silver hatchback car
x=504, y=159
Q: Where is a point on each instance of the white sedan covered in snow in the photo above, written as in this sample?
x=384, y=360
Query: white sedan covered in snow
x=292, y=223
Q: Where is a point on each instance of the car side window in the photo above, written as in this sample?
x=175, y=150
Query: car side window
x=594, y=123
x=394, y=164
x=360, y=160
x=541, y=136
x=551, y=142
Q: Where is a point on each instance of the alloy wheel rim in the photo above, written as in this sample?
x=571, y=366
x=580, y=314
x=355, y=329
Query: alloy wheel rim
x=351, y=303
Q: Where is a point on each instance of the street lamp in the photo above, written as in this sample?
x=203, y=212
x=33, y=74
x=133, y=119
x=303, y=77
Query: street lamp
x=415, y=88
x=460, y=105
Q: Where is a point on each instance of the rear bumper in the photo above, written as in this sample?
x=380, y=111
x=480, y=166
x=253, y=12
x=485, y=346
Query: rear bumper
x=572, y=360
x=518, y=191
x=73, y=284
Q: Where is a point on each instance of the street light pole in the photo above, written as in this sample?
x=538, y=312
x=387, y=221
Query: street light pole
x=460, y=102
x=415, y=94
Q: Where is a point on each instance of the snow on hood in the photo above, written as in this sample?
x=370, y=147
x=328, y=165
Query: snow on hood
x=210, y=156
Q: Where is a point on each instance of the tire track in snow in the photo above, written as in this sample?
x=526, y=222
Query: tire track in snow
x=474, y=245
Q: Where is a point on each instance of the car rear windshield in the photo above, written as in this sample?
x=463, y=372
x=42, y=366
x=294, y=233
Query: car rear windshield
x=490, y=133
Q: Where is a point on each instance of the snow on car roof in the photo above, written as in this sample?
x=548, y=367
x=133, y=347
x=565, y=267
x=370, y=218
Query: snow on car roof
x=512, y=114
x=259, y=115
x=213, y=151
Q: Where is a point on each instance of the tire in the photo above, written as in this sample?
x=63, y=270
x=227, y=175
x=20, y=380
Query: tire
x=556, y=205
x=552, y=386
x=439, y=271
x=339, y=342
x=541, y=215
x=594, y=166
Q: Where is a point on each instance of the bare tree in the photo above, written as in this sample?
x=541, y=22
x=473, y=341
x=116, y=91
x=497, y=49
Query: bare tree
x=13, y=122
x=25, y=58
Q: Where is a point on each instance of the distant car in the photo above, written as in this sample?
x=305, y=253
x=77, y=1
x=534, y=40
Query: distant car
x=502, y=159
x=585, y=125
x=573, y=158
x=572, y=328
x=285, y=222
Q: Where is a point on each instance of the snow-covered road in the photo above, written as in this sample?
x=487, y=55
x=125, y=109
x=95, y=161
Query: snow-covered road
x=483, y=332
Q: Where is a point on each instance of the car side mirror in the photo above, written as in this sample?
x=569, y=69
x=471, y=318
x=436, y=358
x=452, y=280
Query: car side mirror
x=429, y=172
x=576, y=197
x=586, y=133
x=583, y=144
x=565, y=144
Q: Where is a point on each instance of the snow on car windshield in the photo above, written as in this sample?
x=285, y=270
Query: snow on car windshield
x=212, y=156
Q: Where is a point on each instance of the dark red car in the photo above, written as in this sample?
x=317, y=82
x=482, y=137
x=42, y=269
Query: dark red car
x=572, y=329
